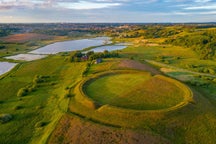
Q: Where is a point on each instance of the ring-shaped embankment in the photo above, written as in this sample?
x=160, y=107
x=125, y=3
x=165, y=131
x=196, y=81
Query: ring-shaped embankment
x=131, y=90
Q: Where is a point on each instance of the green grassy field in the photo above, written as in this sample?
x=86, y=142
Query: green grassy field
x=134, y=91
x=127, y=102
x=191, y=124
x=35, y=115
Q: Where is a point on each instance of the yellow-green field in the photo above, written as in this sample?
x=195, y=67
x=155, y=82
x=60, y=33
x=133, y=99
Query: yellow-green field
x=138, y=90
x=154, y=93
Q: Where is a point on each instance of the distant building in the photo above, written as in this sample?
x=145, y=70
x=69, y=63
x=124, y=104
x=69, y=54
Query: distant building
x=84, y=58
x=99, y=60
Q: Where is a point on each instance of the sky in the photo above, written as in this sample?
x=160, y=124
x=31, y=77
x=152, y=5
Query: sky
x=109, y=11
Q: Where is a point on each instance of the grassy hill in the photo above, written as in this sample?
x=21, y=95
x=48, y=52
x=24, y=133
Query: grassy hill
x=49, y=101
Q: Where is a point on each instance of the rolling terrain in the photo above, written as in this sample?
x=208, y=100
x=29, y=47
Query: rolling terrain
x=160, y=89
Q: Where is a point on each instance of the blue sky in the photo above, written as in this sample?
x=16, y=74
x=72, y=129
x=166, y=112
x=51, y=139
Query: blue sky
x=18, y=11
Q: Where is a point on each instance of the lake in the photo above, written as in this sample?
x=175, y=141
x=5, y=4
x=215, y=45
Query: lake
x=71, y=45
x=109, y=48
x=26, y=57
x=62, y=47
x=6, y=66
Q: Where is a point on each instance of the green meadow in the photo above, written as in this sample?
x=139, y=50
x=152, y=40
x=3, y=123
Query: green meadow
x=36, y=113
x=134, y=91
x=156, y=89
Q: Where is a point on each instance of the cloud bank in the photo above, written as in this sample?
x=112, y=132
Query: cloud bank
x=107, y=10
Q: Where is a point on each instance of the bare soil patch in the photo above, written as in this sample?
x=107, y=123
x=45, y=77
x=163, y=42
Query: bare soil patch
x=21, y=38
x=138, y=66
x=73, y=130
x=152, y=44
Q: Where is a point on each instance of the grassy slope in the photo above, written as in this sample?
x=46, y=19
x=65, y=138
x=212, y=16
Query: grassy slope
x=194, y=123
x=39, y=106
x=135, y=91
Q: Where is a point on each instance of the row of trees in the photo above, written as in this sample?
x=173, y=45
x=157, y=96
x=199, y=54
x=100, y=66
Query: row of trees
x=7, y=31
x=78, y=56
x=2, y=46
x=38, y=79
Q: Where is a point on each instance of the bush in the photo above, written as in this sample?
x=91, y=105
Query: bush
x=4, y=118
x=17, y=107
x=40, y=124
x=38, y=79
x=67, y=95
x=211, y=71
x=205, y=70
x=38, y=107
x=2, y=47
x=22, y=92
x=85, y=72
x=67, y=87
x=166, y=62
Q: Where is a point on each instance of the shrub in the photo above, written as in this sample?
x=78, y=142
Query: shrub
x=38, y=107
x=67, y=95
x=17, y=107
x=166, y=62
x=205, y=70
x=132, y=58
x=2, y=47
x=214, y=80
x=67, y=87
x=40, y=124
x=85, y=72
x=32, y=87
x=211, y=71
x=52, y=83
x=4, y=118
x=38, y=79
x=22, y=92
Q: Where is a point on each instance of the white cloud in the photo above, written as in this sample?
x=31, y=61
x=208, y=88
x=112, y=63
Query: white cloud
x=69, y=4
x=204, y=7
x=86, y=5
x=202, y=1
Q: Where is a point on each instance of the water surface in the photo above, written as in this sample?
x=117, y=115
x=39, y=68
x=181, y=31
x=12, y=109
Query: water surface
x=26, y=57
x=71, y=45
x=109, y=48
x=6, y=66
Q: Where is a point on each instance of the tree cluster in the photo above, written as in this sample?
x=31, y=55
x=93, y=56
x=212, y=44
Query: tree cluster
x=202, y=42
x=7, y=31
x=2, y=47
x=78, y=56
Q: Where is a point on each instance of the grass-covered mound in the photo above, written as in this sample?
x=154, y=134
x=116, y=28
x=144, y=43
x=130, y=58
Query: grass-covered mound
x=129, y=89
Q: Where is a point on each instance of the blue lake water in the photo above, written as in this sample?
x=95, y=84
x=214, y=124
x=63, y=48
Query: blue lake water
x=62, y=47
x=71, y=45
x=109, y=48
x=6, y=66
